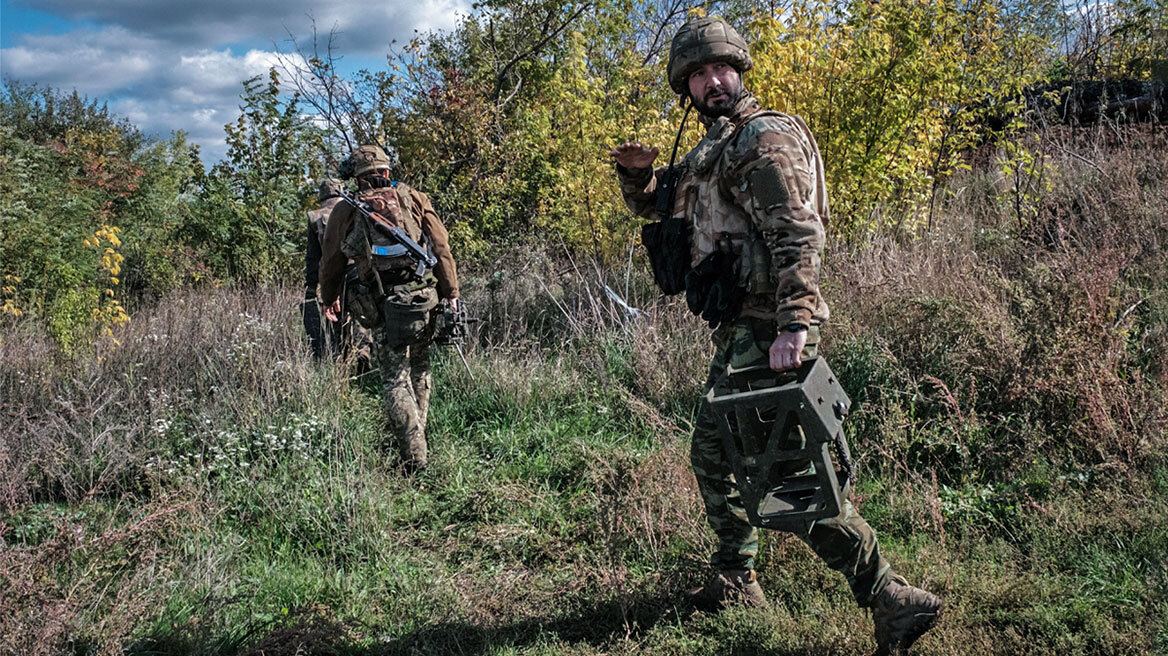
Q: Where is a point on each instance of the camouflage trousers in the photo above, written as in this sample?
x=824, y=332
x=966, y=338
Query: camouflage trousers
x=846, y=543
x=405, y=378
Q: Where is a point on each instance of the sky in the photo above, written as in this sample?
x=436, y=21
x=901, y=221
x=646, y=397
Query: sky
x=169, y=65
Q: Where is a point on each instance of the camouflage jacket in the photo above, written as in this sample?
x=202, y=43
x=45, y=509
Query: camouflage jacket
x=422, y=214
x=317, y=220
x=756, y=179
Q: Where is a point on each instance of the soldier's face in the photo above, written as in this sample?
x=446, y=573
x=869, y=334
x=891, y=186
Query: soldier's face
x=715, y=88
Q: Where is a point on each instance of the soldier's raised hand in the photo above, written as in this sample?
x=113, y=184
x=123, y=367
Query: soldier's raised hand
x=634, y=155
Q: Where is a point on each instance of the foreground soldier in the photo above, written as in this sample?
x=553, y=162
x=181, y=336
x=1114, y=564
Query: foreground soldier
x=339, y=330
x=753, y=195
x=388, y=293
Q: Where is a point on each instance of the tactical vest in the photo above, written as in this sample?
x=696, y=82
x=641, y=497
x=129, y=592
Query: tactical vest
x=715, y=217
x=371, y=250
x=318, y=219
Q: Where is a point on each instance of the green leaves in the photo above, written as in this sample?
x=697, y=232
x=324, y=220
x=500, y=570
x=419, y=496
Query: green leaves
x=69, y=169
x=249, y=215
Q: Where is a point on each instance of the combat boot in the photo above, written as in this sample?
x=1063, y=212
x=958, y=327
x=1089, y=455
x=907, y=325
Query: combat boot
x=413, y=454
x=728, y=588
x=902, y=613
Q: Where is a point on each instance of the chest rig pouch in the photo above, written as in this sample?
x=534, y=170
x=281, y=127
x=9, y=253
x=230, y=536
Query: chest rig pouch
x=779, y=430
x=667, y=240
x=712, y=289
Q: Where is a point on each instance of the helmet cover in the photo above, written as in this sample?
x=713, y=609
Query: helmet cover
x=701, y=41
x=329, y=187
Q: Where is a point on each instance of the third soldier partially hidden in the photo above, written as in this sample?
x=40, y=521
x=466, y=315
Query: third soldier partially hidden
x=336, y=332
x=753, y=197
x=388, y=291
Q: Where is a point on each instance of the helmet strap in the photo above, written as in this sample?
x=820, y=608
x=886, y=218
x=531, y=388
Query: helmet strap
x=677, y=140
x=669, y=183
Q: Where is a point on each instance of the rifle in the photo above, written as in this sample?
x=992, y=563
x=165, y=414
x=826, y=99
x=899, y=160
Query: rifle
x=419, y=255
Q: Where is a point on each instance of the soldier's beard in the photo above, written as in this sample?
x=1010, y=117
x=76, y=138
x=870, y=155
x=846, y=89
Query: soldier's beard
x=720, y=105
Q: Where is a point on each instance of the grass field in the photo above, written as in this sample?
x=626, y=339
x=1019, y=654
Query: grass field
x=203, y=487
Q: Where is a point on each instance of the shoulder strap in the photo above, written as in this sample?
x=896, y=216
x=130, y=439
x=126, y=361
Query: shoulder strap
x=406, y=201
x=403, y=197
x=759, y=114
x=362, y=224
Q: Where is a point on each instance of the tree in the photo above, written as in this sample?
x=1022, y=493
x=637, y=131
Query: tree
x=249, y=217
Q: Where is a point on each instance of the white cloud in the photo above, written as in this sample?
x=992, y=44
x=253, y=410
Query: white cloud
x=365, y=28
x=157, y=88
x=94, y=62
x=169, y=65
x=203, y=125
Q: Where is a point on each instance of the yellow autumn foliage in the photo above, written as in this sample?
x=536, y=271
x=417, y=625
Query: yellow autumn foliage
x=108, y=312
x=895, y=91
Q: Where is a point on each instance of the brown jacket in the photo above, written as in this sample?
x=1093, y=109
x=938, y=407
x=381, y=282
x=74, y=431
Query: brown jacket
x=333, y=261
x=756, y=179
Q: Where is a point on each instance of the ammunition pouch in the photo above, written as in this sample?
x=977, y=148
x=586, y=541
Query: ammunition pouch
x=667, y=243
x=754, y=266
x=406, y=313
x=361, y=301
x=712, y=290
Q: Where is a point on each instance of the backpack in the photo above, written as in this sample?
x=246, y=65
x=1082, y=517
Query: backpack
x=375, y=253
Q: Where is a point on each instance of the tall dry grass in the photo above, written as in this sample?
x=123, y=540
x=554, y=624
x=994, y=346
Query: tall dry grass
x=200, y=358
x=109, y=443
x=1048, y=331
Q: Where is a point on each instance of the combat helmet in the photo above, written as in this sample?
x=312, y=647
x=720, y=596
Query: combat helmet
x=703, y=41
x=329, y=187
x=370, y=158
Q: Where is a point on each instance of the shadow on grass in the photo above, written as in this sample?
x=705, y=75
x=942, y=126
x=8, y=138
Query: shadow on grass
x=595, y=625
x=314, y=630
x=601, y=626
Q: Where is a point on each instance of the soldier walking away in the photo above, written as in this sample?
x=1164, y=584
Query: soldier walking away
x=751, y=201
x=338, y=332
x=390, y=254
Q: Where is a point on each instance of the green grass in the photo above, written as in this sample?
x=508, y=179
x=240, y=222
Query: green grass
x=554, y=521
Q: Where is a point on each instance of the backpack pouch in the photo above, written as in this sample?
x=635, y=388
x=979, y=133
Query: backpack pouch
x=406, y=315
